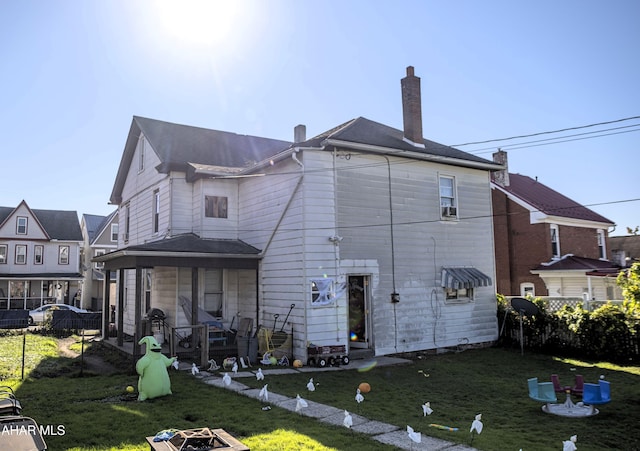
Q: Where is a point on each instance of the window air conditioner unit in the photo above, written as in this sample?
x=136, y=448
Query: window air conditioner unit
x=448, y=212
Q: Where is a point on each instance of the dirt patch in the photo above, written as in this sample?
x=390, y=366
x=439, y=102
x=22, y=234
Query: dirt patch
x=91, y=360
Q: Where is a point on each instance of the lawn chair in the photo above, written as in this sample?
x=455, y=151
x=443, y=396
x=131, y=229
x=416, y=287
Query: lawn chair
x=29, y=437
x=216, y=331
x=541, y=391
x=556, y=385
x=578, y=387
x=596, y=394
x=9, y=404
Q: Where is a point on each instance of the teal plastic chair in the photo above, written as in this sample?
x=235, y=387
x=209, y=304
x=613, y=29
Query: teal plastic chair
x=541, y=391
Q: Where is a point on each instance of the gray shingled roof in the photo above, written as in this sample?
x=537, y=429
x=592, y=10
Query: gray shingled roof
x=193, y=243
x=96, y=224
x=59, y=224
x=365, y=131
x=177, y=145
x=572, y=262
x=548, y=201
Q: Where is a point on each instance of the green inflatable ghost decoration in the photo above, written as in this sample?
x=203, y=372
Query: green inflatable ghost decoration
x=152, y=368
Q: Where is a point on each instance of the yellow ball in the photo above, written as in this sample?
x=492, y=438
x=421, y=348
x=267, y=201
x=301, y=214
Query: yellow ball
x=297, y=363
x=364, y=387
x=129, y=389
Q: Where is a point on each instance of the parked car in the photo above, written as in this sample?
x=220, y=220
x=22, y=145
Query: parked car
x=37, y=316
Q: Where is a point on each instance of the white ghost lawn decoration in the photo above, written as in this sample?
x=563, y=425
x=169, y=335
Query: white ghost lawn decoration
x=226, y=379
x=235, y=368
x=348, y=420
x=194, y=369
x=359, y=397
x=426, y=409
x=415, y=437
x=570, y=445
x=310, y=385
x=477, y=424
x=175, y=364
x=300, y=403
x=264, y=393
x=259, y=375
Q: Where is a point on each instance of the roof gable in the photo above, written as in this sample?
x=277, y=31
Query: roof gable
x=548, y=201
x=96, y=225
x=55, y=224
x=179, y=145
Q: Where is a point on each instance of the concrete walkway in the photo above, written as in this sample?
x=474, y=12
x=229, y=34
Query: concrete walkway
x=382, y=432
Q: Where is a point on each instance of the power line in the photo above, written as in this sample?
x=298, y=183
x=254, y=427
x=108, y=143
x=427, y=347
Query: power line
x=431, y=221
x=547, y=132
x=569, y=140
x=522, y=145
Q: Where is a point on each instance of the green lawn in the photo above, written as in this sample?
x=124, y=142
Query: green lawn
x=493, y=382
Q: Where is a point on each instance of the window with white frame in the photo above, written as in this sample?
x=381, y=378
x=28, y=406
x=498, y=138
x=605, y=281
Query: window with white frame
x=458, y=295
x=98, y=252
x=21, y=225
x=141, y=154
x=555, y=241
x=114, y=233
x=63, y=255
x=127, y=220
x=3, y=253
x=215, y=206
x=21, y=254
x=448, y=203
x=527, y=289
x=602, y=247
x=156, y=210
x=38, y=254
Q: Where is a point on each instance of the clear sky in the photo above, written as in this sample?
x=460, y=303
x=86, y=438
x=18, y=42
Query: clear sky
x=74, y=72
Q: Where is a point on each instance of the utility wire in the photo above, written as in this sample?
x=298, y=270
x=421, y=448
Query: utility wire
x=523, y=144
x=547, y=132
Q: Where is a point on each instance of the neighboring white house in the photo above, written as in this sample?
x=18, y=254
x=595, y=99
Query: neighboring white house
x=100, y=235
x=39, y=257
x=378, y=238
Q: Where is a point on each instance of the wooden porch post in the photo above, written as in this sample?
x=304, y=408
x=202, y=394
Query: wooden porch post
x=137, y=315
x=121, y=307
x=105, y=304
x=194, y=305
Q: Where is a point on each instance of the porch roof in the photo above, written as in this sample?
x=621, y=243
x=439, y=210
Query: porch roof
x=469, y=277
x=187, y=250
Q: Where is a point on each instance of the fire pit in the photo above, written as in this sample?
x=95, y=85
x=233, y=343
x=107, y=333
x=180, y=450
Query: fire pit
x=203, y=439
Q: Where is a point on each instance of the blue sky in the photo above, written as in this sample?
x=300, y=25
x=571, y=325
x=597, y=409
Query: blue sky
x=74, y=72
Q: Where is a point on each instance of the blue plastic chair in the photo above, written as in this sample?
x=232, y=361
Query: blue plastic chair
x=596, y=394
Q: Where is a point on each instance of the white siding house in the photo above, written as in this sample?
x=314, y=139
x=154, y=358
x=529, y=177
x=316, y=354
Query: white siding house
x=364, y=236
x=39, y=257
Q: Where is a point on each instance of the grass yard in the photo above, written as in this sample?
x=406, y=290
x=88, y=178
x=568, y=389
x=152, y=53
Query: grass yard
x=97, y=416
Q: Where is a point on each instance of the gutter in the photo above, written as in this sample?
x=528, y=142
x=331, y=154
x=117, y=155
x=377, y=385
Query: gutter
x=409, y=154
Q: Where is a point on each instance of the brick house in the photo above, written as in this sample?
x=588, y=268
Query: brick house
x=547, y=244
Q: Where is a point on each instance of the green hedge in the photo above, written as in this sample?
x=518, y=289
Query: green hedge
x=610, y=332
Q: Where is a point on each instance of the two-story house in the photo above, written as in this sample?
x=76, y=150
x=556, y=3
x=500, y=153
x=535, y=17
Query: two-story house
x=546, y=243
x=39, y=257
x=99, y=235
x=378, y=238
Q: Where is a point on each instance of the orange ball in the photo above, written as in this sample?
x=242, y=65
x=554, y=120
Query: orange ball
x=364, y=387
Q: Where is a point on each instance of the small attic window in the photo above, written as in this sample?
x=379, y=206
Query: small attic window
x=21, y=225
x=141, y=147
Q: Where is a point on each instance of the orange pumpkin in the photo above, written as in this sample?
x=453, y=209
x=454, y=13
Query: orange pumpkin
x=364, y=387
x=297, y=363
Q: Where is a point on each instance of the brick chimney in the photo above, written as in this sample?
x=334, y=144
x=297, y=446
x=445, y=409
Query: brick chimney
x=412, y=108
x=501, y=177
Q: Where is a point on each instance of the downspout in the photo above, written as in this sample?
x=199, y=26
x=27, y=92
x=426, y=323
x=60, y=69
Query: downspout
x=395, y=297
x=294, y=156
